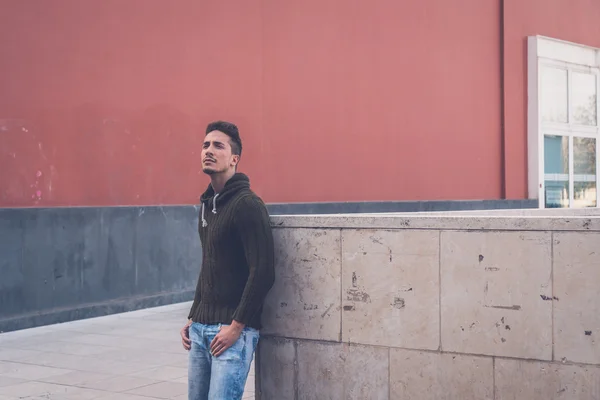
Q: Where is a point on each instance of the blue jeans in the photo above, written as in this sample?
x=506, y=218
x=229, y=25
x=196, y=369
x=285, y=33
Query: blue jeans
x=223, y=377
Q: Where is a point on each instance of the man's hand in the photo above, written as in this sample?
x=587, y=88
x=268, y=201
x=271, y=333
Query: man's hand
x=185, y=336
x=226, y=337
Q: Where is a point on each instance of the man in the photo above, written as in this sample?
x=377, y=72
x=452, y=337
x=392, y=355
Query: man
x=237, y=272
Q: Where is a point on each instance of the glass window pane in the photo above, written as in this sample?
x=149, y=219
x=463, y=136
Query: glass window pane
x=584, y=172
x=583, y=100
x=554, y=94
x=556, y=171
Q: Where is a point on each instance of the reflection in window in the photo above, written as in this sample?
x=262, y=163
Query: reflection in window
x=583, y=100
x=554, y=94
x=584, y=172
x=556, y=171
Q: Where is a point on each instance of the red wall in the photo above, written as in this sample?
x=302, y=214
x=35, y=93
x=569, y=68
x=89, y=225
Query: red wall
x=572, y=20
x=104, y=102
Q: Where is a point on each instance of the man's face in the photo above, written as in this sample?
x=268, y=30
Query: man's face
x=216, y=154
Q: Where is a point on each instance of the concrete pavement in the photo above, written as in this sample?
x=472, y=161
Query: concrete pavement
x=130, y=356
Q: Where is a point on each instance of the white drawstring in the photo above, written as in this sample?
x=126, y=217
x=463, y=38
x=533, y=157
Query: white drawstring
x=214, y=210
x=215, y=204
x=204, y=223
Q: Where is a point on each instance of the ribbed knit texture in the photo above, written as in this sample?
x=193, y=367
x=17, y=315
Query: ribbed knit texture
x=237, y=256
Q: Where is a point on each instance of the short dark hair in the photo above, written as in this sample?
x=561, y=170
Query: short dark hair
x=230, y=130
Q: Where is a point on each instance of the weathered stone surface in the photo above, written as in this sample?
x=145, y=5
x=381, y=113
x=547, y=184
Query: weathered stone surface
x=390, y=288
x=531, y=380
x=332, y=371
x=578, y=222
x=418, y=375
x=305, y=300
x=320, y=371
x=276, y=359
x=577, y=292
x=359, y=385
x=496, y=293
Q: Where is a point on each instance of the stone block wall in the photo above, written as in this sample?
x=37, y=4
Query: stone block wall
x=433, y=307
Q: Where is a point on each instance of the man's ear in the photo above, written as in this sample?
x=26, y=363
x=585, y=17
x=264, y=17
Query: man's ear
x=235, y=160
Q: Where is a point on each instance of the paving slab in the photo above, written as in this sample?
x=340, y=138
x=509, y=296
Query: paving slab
x=130, y=356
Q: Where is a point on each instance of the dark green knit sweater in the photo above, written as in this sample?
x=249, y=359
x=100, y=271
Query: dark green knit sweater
x=237, y=256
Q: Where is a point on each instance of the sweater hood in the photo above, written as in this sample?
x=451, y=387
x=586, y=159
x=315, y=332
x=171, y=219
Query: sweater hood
x=234, y=185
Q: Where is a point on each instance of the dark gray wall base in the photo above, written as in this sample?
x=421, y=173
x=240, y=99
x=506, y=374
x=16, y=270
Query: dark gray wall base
x=58, y=264
x=61, y=264
x=92, y=310
x=397, y=206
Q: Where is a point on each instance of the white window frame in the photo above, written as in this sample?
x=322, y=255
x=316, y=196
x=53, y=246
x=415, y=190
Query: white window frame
x=544, y=51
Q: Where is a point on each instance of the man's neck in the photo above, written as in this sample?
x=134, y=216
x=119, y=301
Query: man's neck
x=218, y=181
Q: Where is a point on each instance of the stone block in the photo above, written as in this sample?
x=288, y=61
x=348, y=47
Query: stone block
x=418, y=375
x=446, y=222
x=534, y=380
x=275, y=364
x=305, y=299
x=359, y=385
x=390, y=288
x=576, y=297
x=335, y=371
x=496, y=293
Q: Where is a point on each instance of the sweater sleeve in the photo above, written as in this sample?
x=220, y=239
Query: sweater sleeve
x=254, y=229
